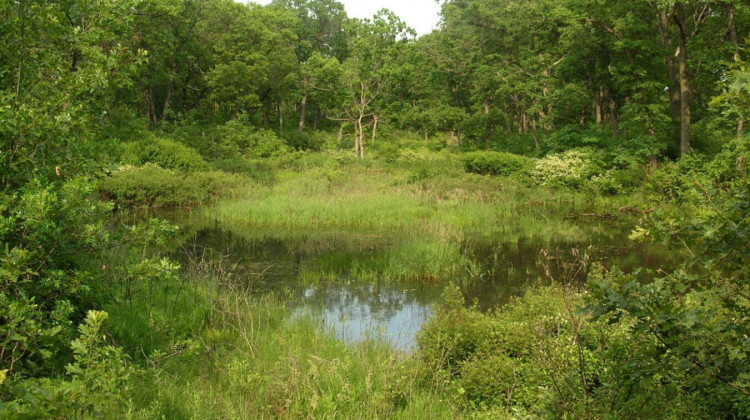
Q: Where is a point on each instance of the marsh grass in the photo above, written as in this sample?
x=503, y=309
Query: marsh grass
x=213, y=349
x=423, y=205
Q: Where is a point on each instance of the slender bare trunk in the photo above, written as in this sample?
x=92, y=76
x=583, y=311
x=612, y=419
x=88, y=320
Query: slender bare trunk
x=735, y=43
x=674, y=83
x=598, y=98
x=375, y=127
x=170, y=89
x=148, y=95
x=487, y=126
x=613, y=117
x=281, y=116
x=341, y=133
x=19, y=70
x=302, y=110
x=536, y=138
x=684, y=81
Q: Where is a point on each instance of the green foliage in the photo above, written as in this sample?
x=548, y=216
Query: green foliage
x=570, y=169
x=163, y=152
x=97, y=383
x=497, y=163
x=154, y=186
x=697, y=314
x=52, y=237
x=236, y=137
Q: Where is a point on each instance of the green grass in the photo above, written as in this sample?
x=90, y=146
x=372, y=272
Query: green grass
x=422, y=219
x=207, y=348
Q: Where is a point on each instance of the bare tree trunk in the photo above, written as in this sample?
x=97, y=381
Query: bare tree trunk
x=148, y=95
x=536, y=138
x=170, y=89
x=302, y=110
x=21, y=53
x=684, y=82
x=375, y=127
x=458, y=136
x=674, y=84
x=281, y=116
x=358, y=140
x=487, y=128
x=613, y=117
x=426, y=135
x=598, y=98
x=341, y=133
x=735, y=43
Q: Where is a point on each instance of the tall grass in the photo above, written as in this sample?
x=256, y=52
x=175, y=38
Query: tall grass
x=212, y=349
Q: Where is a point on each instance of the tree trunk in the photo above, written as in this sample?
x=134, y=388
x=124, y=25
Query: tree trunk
x=341, y=133
x=302, y=110
x=487, y=126
x=735, y=43
x=170, y=89
x=148, y=94
x=359, y=148
x=281, y=117
x=375, y=127
x=684, y=82
x=598, y=98
x=674, y=83
x=613, y=117
x=536, y=138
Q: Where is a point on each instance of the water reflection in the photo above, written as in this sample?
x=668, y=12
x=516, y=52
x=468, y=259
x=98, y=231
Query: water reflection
x=356, y=309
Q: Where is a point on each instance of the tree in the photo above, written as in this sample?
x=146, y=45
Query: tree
x=372, y=48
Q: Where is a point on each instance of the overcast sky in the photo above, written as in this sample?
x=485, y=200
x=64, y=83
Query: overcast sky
x=422, y=15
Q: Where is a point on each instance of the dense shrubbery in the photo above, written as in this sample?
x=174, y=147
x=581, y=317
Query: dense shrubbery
x=237, y=137
x=497, y=163
x=163, y=152
x=154, y=186
x=570, y=169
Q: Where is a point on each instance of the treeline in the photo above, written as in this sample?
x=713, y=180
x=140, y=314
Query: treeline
x=515, y=75
x=518, y=75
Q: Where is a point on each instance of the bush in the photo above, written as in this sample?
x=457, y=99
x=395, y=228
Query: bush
x=497, y=163
x=570, y=169
x=153, y=186
x=165, y=153
x=236, y=137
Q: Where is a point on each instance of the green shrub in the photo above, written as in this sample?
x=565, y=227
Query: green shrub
x=154, y=186
x=165, y=153
x=570, y=169
x=237, y=137
x=96, y=388
x=488, y=378
x=497, y=163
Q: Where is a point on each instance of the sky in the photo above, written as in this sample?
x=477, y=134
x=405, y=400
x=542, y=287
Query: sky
x=422, y=15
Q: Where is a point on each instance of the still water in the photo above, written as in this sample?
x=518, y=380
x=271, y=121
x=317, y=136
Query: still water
x=313, y=273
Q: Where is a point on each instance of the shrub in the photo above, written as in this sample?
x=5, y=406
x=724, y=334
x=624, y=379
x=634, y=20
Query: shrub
x=236, y=137
x=165, y=153
x=497, y=163
x=151, y=185
x=570, y=169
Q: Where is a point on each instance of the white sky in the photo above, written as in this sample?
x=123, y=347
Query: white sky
x=422, y=15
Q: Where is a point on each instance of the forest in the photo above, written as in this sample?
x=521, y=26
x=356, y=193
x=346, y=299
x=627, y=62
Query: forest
x=212, y=209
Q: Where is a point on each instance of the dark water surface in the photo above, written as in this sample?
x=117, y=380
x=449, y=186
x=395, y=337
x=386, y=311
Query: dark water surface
x=312, y=273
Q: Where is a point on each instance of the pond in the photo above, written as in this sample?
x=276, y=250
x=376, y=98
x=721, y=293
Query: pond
x=320, y=273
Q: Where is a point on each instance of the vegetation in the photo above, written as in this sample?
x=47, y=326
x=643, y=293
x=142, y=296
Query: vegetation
x=411, y=161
